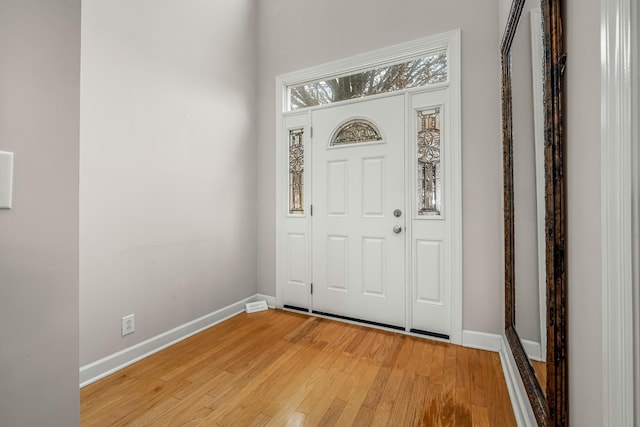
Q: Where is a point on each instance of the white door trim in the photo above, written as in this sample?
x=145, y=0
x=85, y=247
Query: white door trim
x=449, y=41
x=618, y=146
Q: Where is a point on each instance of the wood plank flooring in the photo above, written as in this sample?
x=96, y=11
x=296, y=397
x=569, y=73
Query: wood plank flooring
x=540, y=369
x=277, y=368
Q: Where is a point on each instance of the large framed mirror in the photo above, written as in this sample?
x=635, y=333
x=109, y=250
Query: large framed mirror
x=534, y=204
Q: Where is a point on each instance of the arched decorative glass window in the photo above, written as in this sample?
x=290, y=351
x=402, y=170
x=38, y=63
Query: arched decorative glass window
x=354, y=132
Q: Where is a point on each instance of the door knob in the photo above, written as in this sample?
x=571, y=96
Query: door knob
x=397, y=229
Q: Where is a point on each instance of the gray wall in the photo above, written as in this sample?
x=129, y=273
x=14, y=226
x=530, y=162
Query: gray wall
x=167, y=165
x=302, y=33
x=584, y=240
x=637, y=206
x=39, y=121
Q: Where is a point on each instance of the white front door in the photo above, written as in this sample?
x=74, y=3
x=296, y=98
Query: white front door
x=357, y=185
x=336, y=250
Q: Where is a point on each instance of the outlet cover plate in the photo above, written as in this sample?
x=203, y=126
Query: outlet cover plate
x=6, y=179
x=128, y=324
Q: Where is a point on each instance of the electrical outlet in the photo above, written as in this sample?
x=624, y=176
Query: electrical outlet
x=128, y=324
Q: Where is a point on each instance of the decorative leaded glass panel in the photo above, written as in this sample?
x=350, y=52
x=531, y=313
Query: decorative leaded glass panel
x=296, y=171
x=429, y=173
x=390, y=78
x=356, y=131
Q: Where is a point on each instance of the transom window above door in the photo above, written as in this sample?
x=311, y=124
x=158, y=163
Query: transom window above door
x=419, y=72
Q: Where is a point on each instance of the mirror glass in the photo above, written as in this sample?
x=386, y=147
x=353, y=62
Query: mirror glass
x=528, y=186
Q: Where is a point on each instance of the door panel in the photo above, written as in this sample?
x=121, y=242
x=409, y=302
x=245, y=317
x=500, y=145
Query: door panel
x=297, y=248
x=337, y=263
x=428, y=281
x=358, y=260
x=373, y=259
x=337, y=185
x=373, y=187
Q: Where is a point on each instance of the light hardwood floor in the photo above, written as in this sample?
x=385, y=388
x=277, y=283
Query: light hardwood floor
x=540, y=369
x=280, y=368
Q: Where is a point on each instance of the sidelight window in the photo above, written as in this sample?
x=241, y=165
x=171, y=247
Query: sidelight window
x=429, y=174
x=296, y=171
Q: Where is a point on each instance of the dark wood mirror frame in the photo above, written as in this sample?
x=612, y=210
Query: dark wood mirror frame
x=549, y=410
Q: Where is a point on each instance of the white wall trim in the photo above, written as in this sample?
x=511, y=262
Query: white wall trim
x=271, y=301
x=94, y=371
x=532, y=349
x=481, y=340
x=455, y=78
x=519, y=399
x=389, y=55
x=616, y=174
x=498, y=343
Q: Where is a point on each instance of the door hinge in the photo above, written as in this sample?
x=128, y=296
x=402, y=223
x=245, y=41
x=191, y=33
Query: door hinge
x=311, y=131
x=311, y=288
x=311, y=210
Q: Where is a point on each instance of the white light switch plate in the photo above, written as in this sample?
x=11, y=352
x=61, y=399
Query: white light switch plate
x=6, y=179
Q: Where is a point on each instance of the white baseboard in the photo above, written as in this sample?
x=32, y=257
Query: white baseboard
x=518, y=395
x=519, y=399
x=94, y=371
x=533, y=350
x=482, y=340
x=271, y=301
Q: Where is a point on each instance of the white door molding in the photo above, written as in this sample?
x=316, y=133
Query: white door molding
x=617, y=149
x=450, y=42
